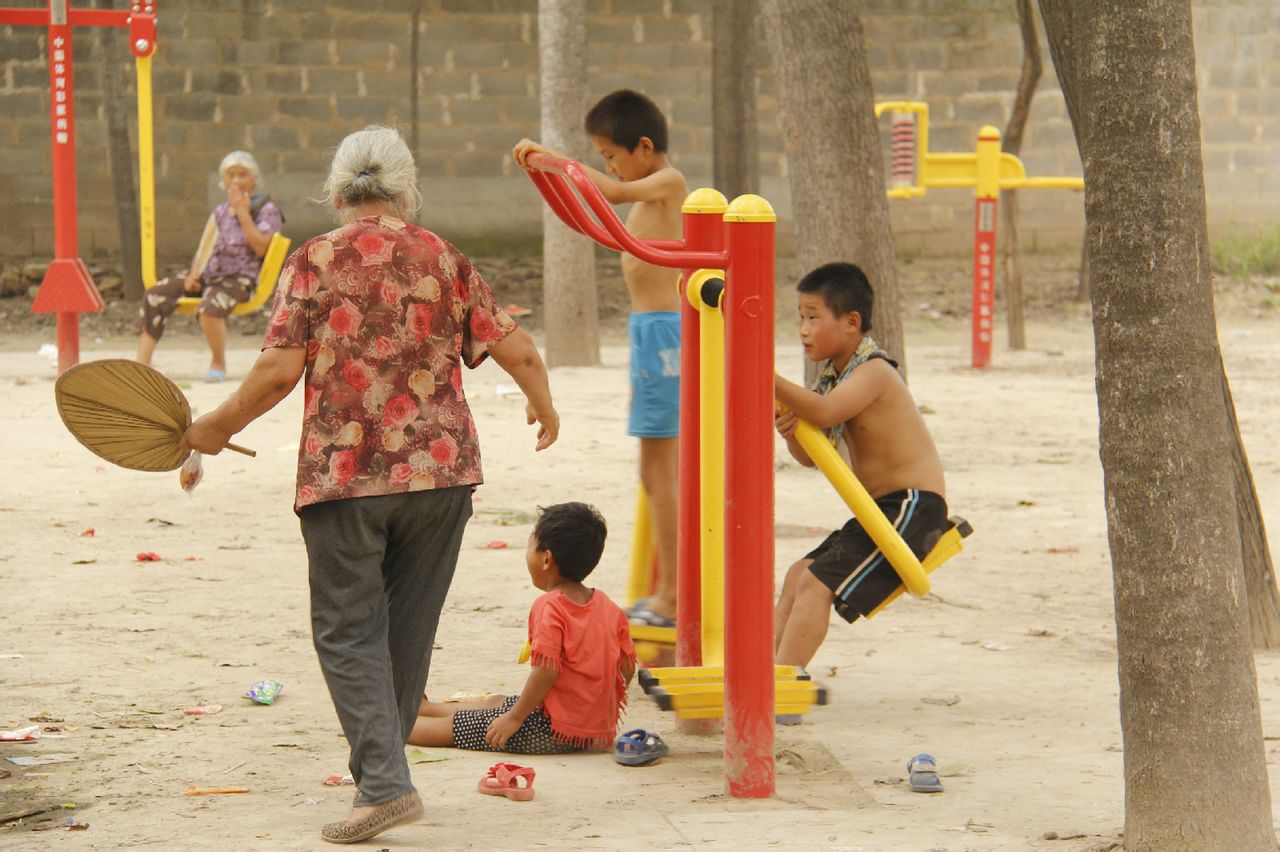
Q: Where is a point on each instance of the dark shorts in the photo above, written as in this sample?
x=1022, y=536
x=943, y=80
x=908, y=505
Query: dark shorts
x=849, y=563
x=532, y=737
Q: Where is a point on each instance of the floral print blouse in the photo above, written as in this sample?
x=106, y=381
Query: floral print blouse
x=388, y=313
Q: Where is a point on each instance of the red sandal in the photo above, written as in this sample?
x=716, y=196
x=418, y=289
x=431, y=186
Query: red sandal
x=504, y=780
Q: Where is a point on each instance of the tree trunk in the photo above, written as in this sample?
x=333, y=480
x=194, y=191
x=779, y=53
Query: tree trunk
x=113, y=60
x=832, y=143
x=1259, y=572
x=736, y=152
x=1195, y=773
x=1082, y=276
x=568, y=259
x=1032, y=68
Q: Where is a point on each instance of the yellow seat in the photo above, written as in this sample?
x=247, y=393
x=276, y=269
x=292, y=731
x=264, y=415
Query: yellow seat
x=706, y=700
x=272, y=263
x=682, y=675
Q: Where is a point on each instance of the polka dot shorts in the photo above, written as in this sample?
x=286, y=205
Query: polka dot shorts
x=532, y=737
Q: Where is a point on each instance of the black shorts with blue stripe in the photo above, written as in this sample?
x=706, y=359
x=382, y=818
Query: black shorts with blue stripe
x=849, y=563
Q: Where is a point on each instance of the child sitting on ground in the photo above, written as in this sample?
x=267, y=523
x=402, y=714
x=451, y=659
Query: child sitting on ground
x=630, y=133
x=860, y=399
x=583, y=659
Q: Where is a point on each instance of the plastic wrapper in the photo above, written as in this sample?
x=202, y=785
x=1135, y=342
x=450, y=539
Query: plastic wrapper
x=191, y=472
x=265, y=691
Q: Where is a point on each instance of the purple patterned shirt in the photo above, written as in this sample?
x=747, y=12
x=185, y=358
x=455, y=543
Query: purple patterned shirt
x=232, y=254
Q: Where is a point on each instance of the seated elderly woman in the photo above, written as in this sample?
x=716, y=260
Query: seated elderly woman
x=225, y=268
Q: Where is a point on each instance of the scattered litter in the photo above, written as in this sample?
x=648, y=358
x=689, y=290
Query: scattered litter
x=203, y=710
x=149, y=556
x=193, y=790
x=233, y=664
x=31, y=733
x=430, y=755
x=265, y=691
x=1040, y=631
x=339, y=780
x=69, y=824
x=943, y=700
x=1063, y=835
x=891, y=780
x=466, y=695
x=10, y=656
x=1026, y=502
x=83, y=561
x=508, y=390
x=995, y=646
x=161, y=522
x=191, y=473
x=1066, y=549
x=496, y=545
x=5, y=773
x=42, y=760
x=46, y=718
x=48, y=350
x=287, y=745
x=89, y=532
x=517, y=311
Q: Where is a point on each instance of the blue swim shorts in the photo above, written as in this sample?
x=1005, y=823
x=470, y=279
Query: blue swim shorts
x=655, y=374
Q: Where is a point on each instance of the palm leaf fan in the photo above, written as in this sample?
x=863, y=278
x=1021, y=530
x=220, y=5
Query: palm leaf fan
x=128, y=413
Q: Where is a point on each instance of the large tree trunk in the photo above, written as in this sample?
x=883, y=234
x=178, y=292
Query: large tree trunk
x=1259, y=573
x=832, y=144
x=1195, y=773
x=113, y=59
x=568, y=259
x=735, y=151
x=1032, y=68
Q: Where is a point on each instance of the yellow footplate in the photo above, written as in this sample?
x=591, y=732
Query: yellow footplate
x=697, y=692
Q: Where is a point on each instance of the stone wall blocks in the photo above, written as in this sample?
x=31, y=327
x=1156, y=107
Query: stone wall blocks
x=195, y=106
x=310, y=108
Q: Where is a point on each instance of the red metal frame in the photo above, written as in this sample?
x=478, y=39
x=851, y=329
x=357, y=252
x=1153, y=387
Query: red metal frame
x=744, y=249
x=67, y=289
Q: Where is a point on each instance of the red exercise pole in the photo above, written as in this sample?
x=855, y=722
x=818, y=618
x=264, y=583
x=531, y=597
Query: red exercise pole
x=67, y=289
x=748, y=558
x=984, y=264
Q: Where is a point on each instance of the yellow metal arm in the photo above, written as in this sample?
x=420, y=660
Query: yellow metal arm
x=864, y=508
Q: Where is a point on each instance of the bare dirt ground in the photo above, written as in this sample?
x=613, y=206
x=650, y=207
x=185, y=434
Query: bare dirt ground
x=1007, y=674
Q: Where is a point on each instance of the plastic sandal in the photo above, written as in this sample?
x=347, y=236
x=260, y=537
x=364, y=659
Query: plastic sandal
x=646, y=617
x=504, y=780
x=215, y=375
x=923, y=771
x=638, y=747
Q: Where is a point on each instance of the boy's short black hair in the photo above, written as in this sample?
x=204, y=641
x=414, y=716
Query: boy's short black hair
x=845, y=289
x=574, y=533
x=624, y=116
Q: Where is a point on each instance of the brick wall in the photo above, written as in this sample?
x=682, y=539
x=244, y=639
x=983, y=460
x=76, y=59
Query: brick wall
x=287, y=78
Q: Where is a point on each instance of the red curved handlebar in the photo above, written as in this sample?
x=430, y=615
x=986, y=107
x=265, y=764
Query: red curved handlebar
x=556, y=178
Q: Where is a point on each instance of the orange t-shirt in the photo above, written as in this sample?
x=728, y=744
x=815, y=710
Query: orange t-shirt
x=586, y=644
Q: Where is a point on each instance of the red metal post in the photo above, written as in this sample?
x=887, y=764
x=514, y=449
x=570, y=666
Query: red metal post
x=984, y=265
x=749, y=331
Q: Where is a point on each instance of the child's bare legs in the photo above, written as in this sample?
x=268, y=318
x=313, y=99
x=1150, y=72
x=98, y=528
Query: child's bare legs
x=146, y=346
x=215, y=332
x=801, y=616
x=434, y=725
x=658, y=466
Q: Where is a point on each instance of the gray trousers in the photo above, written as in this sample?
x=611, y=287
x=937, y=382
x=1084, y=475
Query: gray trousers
x=380, y=568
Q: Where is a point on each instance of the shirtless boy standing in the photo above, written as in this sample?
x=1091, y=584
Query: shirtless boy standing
x=630, y=133
x=860, y=399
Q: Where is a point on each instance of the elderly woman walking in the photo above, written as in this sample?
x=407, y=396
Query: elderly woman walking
x=380, y=315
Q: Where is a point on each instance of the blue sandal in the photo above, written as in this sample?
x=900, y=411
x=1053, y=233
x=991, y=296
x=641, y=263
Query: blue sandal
x=923, y=771
x=638, y=747
x=645, y=617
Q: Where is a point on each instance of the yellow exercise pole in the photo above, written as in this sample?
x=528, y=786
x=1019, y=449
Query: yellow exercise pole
x=146, y=172
x=864, y=508
x=704, y=290
x=640, y=583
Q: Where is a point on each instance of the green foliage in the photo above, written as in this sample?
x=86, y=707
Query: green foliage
x=1241, y=255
